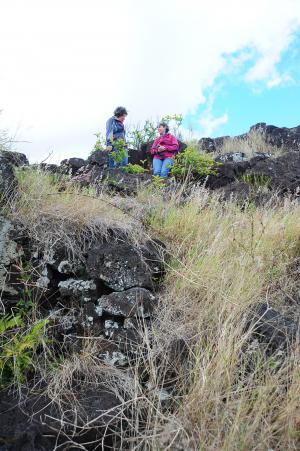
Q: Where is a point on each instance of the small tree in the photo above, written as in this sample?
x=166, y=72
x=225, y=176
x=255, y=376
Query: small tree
x=192, y=162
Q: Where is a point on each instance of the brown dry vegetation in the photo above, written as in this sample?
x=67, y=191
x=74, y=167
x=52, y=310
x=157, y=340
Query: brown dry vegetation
x=254, y=142
x=222, y=260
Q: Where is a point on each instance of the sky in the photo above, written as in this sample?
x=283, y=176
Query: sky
x=65, y=65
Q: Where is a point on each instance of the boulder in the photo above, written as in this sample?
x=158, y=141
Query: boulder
x=227, y=173
x=285, y=138
x=121, y=266
x=71, y=165
x=52, y=168
x=121, y=182
x=37, y=423
x=15, y=158
x=282, y=137
x=99, y=158
x=128, y=303
x=116, y=180
x=231, y=156
x=8, y=182
x=281, y=174
x=271, y=328
x=10, y=254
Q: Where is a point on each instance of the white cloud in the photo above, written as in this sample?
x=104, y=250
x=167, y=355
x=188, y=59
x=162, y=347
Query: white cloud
x=278, y=80
x=209, y=123
x=65, y=65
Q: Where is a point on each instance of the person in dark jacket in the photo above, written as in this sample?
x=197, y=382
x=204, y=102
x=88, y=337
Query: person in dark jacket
x=115, y=130
x=164, y=150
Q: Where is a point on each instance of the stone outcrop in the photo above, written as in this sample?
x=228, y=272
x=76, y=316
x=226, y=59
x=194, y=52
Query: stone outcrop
x=8, y=181
x=70, y=166
x=271, y=329
x=280, y=174
x=15, y=158
x=281, y=137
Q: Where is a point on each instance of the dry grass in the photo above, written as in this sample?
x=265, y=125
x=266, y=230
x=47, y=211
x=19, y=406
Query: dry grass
x=56, y=212
x=224, y=394
x=255, y=142
x=225, y=260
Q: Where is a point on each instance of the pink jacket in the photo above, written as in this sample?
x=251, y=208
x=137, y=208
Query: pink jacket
x=169, y=142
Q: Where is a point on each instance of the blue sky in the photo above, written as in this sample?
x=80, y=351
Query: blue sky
x=243, y=103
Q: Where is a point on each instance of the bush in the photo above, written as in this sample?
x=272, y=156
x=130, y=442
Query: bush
x=138, y=136
x=18, y=344
x=191, y=162
x=134, y=169
x=120, y=151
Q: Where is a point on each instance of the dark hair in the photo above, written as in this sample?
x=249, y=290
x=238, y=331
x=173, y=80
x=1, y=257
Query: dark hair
x=120, y=111
x=165, y=125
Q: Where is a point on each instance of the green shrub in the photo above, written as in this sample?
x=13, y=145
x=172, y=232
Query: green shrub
x=100, y=144
x=138, y=135
x=141, y=135
x=191, y=162
x=134, y=169
x=158, y=181
x=257, y=180
x=17, y=346
x=120, y=151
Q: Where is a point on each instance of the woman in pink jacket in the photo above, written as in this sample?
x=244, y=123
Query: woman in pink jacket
x=164, y=149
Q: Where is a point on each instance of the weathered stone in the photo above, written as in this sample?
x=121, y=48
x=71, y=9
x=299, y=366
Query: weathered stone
x=285, y=138
x=71, y=165
x=10, y=253
x=8, y=181
x=37, y=423
x=121, y=266
x=271, y=328
x=77, y=288
x=281, y=174
x=129, y=303
x=15, y=158
x=99, y=158
x=49, y=167
x=234, y=156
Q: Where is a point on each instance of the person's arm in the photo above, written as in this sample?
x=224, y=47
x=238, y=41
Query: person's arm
x=154, y=149
x=172, y=144
x=109, y=131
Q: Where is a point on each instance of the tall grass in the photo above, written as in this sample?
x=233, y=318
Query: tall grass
x=255, y=142
x=224, y=261
x=224, y=392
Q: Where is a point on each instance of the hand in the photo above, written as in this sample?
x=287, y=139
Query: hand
x=161, y=148
x=109, y=148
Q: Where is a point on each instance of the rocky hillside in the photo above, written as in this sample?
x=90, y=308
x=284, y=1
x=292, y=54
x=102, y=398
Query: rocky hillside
x=284, y=138
x=149, y=317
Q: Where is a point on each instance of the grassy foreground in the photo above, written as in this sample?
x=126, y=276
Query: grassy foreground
x=222, y=260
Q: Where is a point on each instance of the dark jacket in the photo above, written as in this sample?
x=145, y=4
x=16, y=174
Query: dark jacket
x=114, y=130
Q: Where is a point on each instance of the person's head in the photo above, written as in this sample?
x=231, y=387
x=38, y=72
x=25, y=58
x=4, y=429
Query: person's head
x=120, y=113
x=163, y=128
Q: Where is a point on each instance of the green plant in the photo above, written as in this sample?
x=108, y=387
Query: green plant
x=100, y=144
x=191, y=162
x=158, y=181
x=174, y=121
x=17, y=347
x=256, y=180
x=134, y=169
x=120, y=151
x=141, y=135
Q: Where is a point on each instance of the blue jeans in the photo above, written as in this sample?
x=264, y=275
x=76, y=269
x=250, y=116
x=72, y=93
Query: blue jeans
x=112, y=163
x=162, y=167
